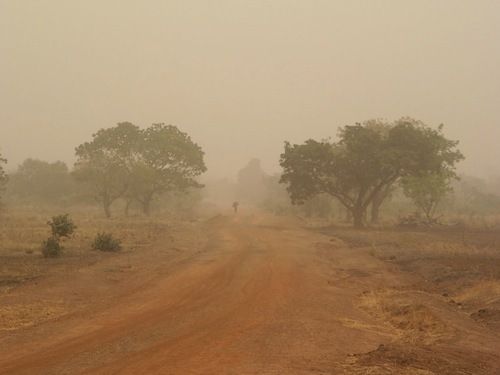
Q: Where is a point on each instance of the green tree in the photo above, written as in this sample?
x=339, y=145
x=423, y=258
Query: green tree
x=38, y=181
x=166, y=159
x=127, y=162
x=250, y=187
x=364, y=162
x=386, y=192
x=105, y=163
x=426, y=191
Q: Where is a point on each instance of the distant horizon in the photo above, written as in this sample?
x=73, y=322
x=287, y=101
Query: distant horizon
x=11, y=168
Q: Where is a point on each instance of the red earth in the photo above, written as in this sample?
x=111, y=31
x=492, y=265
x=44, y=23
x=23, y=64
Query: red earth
x=242, y=294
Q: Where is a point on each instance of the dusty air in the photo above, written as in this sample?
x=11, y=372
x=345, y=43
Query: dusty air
x=249, y=187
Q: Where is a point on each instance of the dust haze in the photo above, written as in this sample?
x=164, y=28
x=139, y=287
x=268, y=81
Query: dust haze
x=114, y=114
x=242, y=77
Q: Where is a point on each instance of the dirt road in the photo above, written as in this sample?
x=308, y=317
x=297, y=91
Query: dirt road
x=245, y=295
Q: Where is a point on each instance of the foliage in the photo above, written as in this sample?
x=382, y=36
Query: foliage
x=37, y=181
x=277, y=199
x=104, y=163
x=105, y=242
x=128, y=162
x=166, y=159
x=364, y=162
x=250, y=186
x=62, y=226
x=51, y=247
x=427, y=191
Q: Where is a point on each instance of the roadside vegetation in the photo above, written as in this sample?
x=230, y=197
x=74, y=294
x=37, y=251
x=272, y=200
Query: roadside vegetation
x=61, y=227
x=21, y=232
x=106, y=242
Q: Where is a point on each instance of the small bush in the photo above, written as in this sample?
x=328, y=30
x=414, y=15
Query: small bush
x=51, y=248
x=105, y=242
x=62, y=226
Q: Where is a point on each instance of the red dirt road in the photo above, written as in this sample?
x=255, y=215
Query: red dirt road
x=248, y=295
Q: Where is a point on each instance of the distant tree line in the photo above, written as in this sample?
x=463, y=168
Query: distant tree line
x=122, y=162
x=369, y=164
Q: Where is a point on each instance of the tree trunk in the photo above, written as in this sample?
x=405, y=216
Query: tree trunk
x=358, y=215
x=377, y=201
x=348, y=215
x=127, y=206
x=146, y=206
x=107, y=208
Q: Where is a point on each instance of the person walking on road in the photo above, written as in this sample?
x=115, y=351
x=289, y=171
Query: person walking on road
x=235, y=206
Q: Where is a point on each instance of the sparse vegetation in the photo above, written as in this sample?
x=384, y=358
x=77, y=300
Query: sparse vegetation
x=51, y=247
x=21, y=232
x=106, y=242
x=62, y=227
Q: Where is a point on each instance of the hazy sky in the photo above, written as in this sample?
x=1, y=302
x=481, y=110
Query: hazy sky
x=240, y=77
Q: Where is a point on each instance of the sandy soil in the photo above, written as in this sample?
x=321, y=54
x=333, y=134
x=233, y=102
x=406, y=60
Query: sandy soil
x=240, y=294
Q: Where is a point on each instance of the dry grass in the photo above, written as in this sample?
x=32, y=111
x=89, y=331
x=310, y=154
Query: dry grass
x=21, y=262
x=410, y=313
x=482, y=293
x=22, y=232
x=19, y=232
x=24, y=315
x=440, y=257
x=453, y=272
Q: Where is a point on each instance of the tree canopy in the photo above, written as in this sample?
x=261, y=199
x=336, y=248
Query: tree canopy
x=165, y=160
x=125, y=161
x=365, y=161
x=427, y=191
x=104, y=162
x=37, y=181
x=250, y=187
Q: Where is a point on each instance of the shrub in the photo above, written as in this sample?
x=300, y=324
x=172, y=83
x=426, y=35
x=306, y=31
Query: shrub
x=105, y=242
x=51, y=248
x=62, y=226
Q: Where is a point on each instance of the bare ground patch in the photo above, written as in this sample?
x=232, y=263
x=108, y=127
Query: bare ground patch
x=447, y=315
